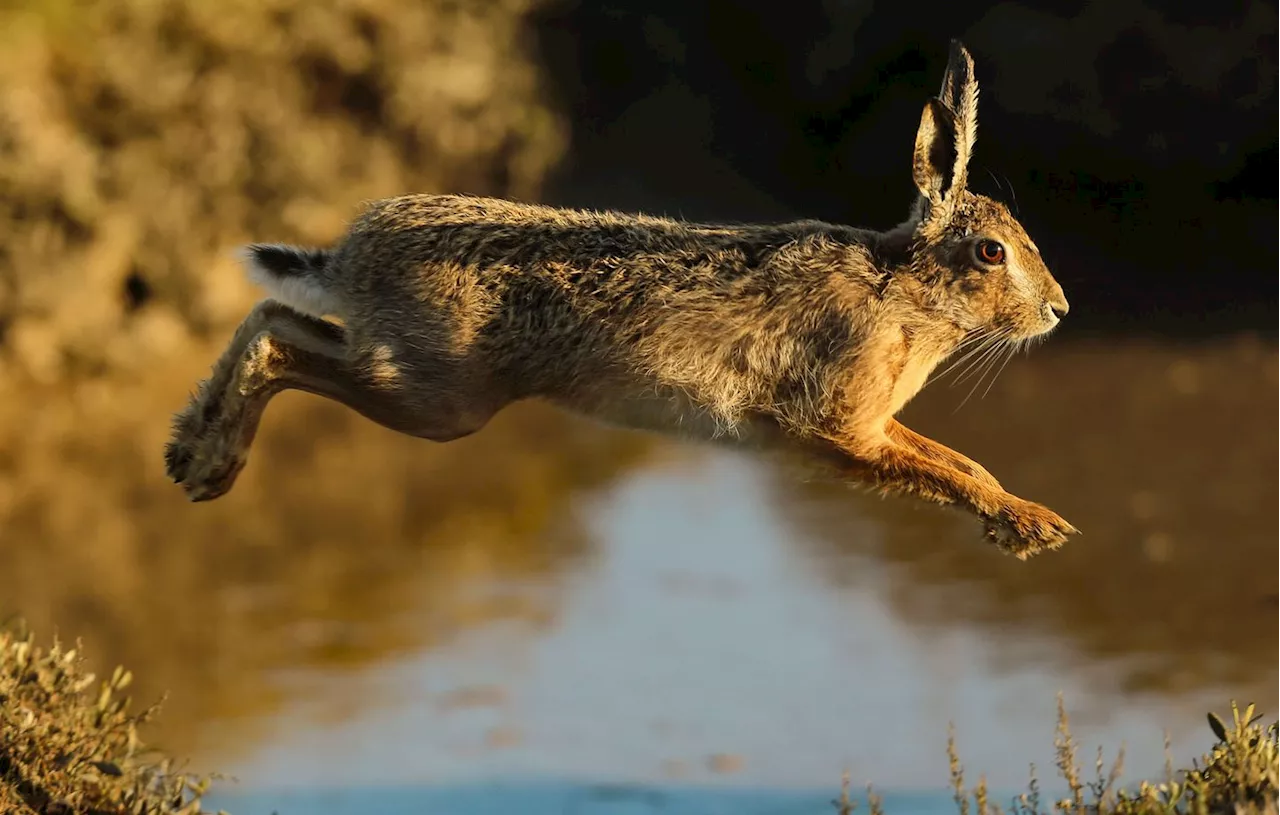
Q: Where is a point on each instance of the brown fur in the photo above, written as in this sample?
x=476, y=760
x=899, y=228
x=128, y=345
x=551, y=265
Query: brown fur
x=804, y=335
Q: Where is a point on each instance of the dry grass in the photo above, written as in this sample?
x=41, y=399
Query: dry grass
x=69, y=744
x=1239, y=774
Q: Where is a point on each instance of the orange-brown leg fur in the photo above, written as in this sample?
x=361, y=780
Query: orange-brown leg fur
x=1015, y=525
x=939, y=452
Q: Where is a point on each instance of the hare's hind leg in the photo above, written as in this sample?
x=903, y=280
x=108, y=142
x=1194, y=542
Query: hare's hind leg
x=276, y=349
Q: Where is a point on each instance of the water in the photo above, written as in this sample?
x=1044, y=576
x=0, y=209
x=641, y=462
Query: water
x=551, y=618
x=697, y=643
x=561, y=798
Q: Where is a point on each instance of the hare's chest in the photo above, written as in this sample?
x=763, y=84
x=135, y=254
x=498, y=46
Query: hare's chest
x=915, y=361
x=909, y=382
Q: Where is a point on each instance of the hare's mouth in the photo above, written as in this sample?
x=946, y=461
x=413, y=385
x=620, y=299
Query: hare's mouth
x=1042, y=328
x=1050, y=315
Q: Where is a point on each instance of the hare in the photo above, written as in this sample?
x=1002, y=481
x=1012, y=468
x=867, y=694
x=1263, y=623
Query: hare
x=803, y=336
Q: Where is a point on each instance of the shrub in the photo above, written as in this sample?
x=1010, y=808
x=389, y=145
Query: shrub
x=69, y=743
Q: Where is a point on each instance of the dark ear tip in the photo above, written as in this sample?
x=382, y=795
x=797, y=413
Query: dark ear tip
x=959, y=54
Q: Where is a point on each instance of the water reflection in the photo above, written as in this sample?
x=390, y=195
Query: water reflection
x=1164, y=456
x=338, y=530
x=696, y=650
x=549, y=598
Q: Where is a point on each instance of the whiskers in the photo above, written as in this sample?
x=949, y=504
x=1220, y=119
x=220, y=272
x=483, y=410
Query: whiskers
x=984, y=351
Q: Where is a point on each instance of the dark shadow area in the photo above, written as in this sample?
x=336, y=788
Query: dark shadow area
x=1138, y=140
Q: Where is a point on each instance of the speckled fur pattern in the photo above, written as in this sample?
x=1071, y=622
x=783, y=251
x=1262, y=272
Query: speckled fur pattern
x=803, y=336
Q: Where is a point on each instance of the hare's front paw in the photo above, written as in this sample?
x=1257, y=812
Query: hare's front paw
x=1023, y=529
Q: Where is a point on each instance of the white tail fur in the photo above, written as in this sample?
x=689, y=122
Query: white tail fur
x=291, y=275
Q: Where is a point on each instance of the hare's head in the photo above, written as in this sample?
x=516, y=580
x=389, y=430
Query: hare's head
x=983, y=271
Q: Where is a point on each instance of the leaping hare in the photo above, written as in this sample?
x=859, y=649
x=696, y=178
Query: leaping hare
x=805, y=335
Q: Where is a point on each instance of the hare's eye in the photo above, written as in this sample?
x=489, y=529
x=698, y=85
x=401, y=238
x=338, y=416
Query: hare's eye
x=990, y=252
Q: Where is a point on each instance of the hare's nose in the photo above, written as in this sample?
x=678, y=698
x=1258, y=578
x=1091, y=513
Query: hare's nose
x=1057, y=301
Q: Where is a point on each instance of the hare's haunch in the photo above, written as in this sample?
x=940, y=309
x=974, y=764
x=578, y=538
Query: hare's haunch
x=806, y=335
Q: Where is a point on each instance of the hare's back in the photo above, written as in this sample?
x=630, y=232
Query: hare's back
x=491, y=242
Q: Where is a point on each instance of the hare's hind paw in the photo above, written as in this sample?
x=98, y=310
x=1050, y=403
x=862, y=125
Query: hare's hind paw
x=188, y=428
x=203, y=468
x=1024, y=529
x=199, y=457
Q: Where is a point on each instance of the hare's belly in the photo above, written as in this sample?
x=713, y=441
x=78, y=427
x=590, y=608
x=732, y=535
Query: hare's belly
x=661, y=409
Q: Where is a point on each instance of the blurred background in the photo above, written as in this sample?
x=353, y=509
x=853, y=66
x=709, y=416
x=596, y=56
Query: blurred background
x=550, y=601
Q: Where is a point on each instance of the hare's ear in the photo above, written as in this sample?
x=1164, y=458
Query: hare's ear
x=960, y=96
x=933, y=164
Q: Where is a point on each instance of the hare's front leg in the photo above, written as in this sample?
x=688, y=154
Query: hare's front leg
x=939, y=453
x=1017, y=526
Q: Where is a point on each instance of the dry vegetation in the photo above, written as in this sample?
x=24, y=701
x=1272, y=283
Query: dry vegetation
x=1238, y=775
x=69, y=744
x=140, y=141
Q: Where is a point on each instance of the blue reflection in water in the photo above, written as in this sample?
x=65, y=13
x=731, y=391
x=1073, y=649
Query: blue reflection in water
x=566, y=799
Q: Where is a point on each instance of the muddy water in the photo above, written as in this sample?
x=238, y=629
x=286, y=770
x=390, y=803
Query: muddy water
x=549, y=600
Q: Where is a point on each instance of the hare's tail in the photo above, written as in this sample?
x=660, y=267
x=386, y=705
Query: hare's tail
x=293, y=275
